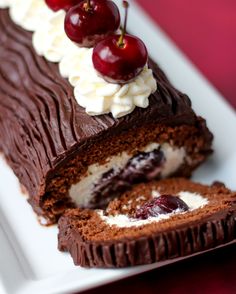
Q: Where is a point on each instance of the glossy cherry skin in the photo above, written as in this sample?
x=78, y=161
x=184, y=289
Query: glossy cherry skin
x=56, y=5
x=161, y=205
x=86, y=27
x=120, y=64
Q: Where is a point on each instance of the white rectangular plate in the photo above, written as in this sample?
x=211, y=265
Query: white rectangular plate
x=29, y=259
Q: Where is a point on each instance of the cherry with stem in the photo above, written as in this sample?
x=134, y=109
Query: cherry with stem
x=120, y=58
x=120, y=42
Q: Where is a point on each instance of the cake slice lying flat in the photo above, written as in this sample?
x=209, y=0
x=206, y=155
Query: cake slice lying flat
x=66, y=158
x=153, y=222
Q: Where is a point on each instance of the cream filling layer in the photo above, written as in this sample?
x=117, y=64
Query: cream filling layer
x=91, y=91
x=81, y=193
x=193, y=200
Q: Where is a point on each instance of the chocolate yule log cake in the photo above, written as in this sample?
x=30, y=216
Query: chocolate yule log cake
x=154, y=222
x=76, y=129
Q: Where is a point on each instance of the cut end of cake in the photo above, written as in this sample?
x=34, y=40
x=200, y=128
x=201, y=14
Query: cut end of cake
x=153, y=222
x=115, y=164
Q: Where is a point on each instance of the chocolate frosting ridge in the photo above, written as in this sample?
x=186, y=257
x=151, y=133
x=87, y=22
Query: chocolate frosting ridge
x=148, y=249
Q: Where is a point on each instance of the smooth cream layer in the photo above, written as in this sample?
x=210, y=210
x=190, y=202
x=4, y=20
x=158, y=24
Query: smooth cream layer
x=81, y=193
x=91, y=91
x=193, y=200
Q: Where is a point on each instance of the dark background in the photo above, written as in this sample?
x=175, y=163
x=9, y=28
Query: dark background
x=211, y=273
x=205, y=30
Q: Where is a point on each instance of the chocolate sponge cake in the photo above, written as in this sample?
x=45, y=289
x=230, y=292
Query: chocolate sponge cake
x=154, y=222
x=64, y=157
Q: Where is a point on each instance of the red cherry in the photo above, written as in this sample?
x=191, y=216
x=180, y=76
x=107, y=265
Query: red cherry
x=56, y=5
x=120, y=63
x=161, y=205
x=90, y=21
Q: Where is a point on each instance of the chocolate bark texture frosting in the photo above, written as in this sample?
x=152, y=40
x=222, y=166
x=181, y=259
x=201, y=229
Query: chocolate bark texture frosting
x=106, y=245
x=43, y=131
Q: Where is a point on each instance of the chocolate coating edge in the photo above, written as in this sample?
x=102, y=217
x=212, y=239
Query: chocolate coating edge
x=148, y=249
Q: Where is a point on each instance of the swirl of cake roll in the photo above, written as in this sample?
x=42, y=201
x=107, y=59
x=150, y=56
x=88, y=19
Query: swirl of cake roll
x=155, y=221
x=66, y=156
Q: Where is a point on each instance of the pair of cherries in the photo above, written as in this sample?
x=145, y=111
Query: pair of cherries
x=118, y=58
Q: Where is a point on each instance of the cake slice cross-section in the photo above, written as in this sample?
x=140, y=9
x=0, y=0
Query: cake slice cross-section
x=66, y=158
x=153, y=222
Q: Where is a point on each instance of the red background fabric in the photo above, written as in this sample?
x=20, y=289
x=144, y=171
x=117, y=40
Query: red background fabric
x=206, y=31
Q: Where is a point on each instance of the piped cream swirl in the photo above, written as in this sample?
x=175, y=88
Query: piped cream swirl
x=90, y=90
x=29, y=14
x=50, y=39
x=4, y=3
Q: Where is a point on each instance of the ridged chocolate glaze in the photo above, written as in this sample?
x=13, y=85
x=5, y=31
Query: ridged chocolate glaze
x=114, y=248
x=41, y=124
x=156, y=247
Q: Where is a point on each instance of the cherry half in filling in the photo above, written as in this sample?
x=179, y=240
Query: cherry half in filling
x=56, y=5
x=142, y=167
x=90, y=21
x=161, y=205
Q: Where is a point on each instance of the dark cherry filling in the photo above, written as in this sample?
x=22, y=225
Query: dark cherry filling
x=161, y=205
x=142, y=167
x=111, y=185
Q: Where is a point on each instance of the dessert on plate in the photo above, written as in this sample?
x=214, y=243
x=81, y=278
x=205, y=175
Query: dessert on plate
x=77, y=129
x=153, y=222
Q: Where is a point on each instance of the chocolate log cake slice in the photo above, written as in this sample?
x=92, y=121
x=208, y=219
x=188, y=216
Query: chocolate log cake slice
x=154, y=222
x=64, y=157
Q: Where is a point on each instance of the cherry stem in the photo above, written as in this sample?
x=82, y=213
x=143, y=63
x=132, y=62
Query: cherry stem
x=120, y=42
x=88, y=6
